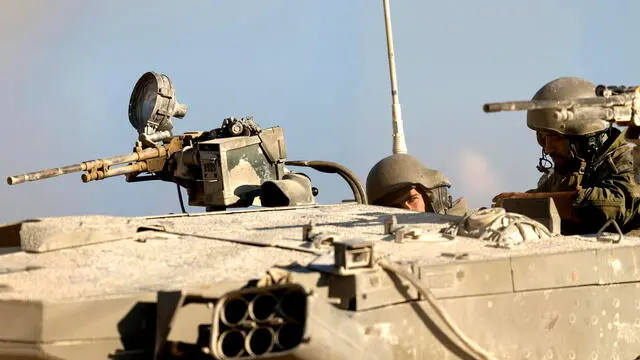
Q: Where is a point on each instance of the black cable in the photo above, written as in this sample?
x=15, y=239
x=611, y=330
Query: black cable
x=331, y=168
x=181, y=201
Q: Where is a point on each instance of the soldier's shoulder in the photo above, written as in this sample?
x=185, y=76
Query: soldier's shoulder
x=621, y=159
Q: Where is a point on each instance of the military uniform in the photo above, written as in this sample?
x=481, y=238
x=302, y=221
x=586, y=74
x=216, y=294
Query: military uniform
x=557, y=182
x=399, y=172
x=606, y=189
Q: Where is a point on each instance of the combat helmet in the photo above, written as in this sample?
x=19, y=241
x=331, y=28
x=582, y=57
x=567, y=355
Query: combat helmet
x=564, y=88
x=399, y=172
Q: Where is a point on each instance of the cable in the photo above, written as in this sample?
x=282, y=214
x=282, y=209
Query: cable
x=466, y=344
x=235, y=241
x=331, y=168
x=181, y=201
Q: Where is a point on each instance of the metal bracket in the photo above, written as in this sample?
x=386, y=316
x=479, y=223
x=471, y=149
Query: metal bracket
x=451, y=231
x=353, y=255
x=401, y=232
x=317, y=238
x=615, y=225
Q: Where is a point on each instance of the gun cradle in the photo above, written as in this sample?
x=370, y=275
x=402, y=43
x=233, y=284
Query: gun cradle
x=227, y=172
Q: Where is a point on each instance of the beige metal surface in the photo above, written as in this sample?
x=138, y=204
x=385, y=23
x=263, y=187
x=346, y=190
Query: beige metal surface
x=152, y=261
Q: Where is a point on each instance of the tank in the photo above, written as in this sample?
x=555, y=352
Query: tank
x=266, y=272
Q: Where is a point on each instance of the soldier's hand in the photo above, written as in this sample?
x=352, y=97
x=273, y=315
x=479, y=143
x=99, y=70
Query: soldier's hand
x=508, y=195
x=497, y=200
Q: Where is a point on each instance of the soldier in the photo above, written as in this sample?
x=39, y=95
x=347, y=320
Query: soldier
x=561, y=174
x=401, y=181
x=593, y=178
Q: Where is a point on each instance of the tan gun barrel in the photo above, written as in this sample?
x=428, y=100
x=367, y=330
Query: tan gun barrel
x=616, y=100
x=44, y=174
x=101, y=166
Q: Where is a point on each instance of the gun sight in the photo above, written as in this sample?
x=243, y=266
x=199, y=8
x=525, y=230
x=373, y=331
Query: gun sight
x=606, y=91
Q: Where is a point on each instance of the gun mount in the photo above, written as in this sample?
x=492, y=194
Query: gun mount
x=238, y=164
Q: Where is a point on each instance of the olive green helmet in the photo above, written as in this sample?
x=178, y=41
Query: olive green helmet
x=564, y=88
x=397, y=173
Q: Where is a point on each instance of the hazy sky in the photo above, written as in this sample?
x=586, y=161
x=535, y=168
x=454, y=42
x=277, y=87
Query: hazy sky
x=316, y=68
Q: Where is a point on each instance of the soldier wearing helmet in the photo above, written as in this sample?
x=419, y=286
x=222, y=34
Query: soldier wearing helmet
x=401, y=181
x=593, y=176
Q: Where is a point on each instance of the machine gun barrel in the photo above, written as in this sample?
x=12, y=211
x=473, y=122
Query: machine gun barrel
x=97, y=169
x=44, y=174
x=624, y=99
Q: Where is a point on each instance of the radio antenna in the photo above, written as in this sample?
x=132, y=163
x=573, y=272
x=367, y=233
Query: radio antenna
x=399, y=144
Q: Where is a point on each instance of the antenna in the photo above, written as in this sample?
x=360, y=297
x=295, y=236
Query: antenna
x=399, y=144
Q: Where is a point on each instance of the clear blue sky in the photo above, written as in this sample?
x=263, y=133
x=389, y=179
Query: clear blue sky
x=316, y=68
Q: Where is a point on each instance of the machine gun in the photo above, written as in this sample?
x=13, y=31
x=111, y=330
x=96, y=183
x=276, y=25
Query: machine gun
x=236, y=165
x=619, y=105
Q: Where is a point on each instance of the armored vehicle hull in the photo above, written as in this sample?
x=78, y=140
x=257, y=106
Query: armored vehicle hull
x=264, y=283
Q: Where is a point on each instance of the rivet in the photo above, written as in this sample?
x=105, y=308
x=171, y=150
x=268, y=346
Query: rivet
x=210, y=305
x=527, y=354
x=594, y=355
x=609, y=326
x=572, y=355
x=594, y=319
x=490, y=304
x=572, y=318
x=616, y=303
x=604, y=312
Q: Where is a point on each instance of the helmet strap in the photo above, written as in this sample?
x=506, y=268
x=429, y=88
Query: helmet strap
x=544, y=164
x=587, y=148
x=438, y=198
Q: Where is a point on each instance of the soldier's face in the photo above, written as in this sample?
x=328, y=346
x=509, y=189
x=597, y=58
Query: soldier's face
x=557, y=147
x=410, y=200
